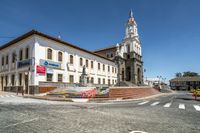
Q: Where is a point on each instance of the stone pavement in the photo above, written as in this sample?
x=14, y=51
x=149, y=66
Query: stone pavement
x=151, y=116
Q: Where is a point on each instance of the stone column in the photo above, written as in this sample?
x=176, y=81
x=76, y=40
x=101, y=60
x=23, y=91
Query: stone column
x=133, y=72
x=4, y=81
x=9, y=81
x=142, y=74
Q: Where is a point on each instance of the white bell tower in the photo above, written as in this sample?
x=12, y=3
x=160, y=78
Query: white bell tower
x=131, y=27
x=130, y=50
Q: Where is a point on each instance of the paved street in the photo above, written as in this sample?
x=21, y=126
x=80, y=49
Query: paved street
x=176, y=113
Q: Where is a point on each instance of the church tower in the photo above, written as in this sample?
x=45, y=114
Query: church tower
x=132, y=71
x=130, y=53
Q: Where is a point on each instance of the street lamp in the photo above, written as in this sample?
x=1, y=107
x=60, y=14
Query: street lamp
x=159, y=77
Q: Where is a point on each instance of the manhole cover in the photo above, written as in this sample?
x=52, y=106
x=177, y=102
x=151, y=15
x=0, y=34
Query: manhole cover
x=138, y=132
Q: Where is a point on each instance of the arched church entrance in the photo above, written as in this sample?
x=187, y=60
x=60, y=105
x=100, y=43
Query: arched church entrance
x=122, y=74
x=128, y=74
x=139, y=76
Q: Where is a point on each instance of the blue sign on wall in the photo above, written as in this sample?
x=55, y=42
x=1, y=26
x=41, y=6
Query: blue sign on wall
x=24, y=63
x=50, y=64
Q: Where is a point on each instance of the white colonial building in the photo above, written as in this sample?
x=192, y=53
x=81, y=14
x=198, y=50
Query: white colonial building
x=36, y=60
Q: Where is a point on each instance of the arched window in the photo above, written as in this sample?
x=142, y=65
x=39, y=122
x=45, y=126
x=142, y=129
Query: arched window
x=103, y=67
x=88, y=79
x=2, y=61
x=99, y=67
x=14, y=57
x=71, y=61
x=7, y=58
x=49, y=54
x=60, y=56
x=107, y=55
x=21, y=54
x=81, y=61
x=99, y=81
x=111, y=55
x=91, y=64
x=128, y=48
x=92, y=80
x=27, y=53
x=86, y=63
x=108, y=68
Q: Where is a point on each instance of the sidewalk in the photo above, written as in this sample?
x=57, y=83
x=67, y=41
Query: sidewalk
x=12, y=93
x=51, y=98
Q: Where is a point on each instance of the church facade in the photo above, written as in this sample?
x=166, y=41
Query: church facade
x=130, y=52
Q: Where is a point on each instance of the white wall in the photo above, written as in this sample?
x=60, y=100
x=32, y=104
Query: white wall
x=10, y=69
x=38, y=50
x=42, y=44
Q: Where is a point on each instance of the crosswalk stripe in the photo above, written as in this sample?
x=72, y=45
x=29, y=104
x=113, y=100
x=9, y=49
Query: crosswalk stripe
x=12, y=95
x=181, y=106
x=197, y=107
x=167, y=105
x=142, y=103
x=155, y=103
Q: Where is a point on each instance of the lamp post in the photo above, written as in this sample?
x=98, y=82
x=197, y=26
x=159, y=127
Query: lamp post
x=159, y=77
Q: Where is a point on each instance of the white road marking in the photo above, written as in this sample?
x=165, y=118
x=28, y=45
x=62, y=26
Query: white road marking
x=181, y=106
x=142, y=103
x=12, y=95
x=2, y=96
x=155, y=103
x=167, y=105
x=197, y=107
x=138, y=132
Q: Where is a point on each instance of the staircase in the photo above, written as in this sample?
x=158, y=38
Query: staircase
x=132, y=92
x=125, y=83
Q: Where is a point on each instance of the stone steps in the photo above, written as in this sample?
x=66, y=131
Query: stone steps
x=135, y=92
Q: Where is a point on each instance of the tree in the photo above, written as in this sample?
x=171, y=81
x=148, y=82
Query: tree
x=190, y=74
x=178, y=75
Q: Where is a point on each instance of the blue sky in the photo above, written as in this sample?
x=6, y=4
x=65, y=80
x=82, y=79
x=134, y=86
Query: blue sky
x=169, y=29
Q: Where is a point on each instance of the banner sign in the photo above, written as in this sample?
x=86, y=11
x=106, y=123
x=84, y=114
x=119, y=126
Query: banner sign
x=41, y=70
x=50, y=64
x=24, y=63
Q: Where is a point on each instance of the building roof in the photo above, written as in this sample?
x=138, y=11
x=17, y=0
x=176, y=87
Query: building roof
x=35, y=32
x=103, y=49
x=195, y=78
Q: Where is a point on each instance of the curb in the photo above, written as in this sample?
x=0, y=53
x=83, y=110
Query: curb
x=131, y=99
x=103, y=100
x=49, y=98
